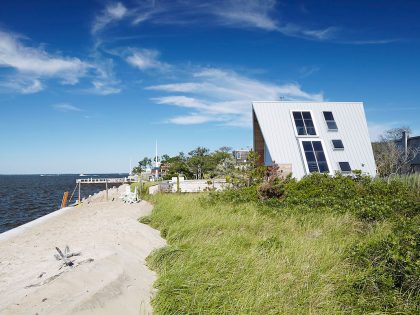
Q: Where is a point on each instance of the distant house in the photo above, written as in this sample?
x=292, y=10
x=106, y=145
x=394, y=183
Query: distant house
x=412, y=144
x=306, y=137
x=240, y=156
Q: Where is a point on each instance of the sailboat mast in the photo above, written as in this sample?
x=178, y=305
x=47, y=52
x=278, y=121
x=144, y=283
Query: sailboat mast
x=156, y=156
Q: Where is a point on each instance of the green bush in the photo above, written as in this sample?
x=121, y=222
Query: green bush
x=387, y=272
x=274, y=188
x=239, y=195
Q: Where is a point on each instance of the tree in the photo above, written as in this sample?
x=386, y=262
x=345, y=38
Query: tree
x=164, y=158
x=225, y=149
x=177, y=165
x=394, y=134
x=226, y=167
x=199, y=161
x=390, y=155
x=249, y=173
x=142, y=165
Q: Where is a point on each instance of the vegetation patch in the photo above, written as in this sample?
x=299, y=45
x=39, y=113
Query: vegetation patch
x=322, y=245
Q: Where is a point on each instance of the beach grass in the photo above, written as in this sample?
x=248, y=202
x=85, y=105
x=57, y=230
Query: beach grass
x=411, y=180
x=228, y=258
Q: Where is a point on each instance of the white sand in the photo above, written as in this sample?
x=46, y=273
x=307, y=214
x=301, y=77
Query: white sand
x=115, y=282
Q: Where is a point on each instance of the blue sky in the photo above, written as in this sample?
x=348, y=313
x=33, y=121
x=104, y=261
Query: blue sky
x=87, y=85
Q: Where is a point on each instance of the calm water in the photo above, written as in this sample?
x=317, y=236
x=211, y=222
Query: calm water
x=24, y=198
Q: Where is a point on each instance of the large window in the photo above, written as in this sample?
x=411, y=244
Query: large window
x=304, y=124
x=329, y=119
x=315, y=157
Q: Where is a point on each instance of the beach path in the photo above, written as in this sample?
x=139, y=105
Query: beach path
x=109, y=277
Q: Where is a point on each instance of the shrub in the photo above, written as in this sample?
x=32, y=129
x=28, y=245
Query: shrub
x=239, y=195
x=274, y=188
x=387, y=272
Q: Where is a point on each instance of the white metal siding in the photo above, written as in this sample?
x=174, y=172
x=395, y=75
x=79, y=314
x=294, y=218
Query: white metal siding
x=278, y=130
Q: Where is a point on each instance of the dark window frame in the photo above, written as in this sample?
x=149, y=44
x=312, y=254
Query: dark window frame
x=304, y=123
x=315, y=157
x=330, y=121
x=337, y=147
x=345, y=164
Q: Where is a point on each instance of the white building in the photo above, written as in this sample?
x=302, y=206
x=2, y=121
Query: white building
x=305, y=137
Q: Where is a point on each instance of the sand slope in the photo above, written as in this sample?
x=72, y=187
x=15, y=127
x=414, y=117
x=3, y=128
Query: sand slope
x=115, y=282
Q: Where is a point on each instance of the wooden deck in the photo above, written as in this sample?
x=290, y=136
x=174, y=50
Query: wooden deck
x=106, y=181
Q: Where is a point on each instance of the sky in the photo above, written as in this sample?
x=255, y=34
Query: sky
x=87, y=86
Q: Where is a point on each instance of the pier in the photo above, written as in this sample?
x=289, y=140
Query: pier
x=106, y=181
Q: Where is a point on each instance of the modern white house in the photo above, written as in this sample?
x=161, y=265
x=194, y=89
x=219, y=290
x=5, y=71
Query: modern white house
x=306, y=137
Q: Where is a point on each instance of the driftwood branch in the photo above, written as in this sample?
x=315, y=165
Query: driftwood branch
x=67, y=262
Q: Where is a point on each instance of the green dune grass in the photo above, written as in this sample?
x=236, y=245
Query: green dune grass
x=238, y=259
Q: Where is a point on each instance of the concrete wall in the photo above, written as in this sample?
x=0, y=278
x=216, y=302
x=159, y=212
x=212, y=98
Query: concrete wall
x=190, y=186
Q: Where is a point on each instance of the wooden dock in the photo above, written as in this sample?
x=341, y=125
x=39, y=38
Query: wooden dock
x=124, y=180
x=106, y=181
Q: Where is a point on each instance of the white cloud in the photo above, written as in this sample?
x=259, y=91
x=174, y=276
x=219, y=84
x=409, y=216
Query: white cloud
x=258, y=14
x=248, y=13
x=181, y=101
x=144, y=59
x=34, y=87
x=306, y=71
x=223, y=96
x=191, y=119
x=37, y=61
x=34, y=63
x=104, y=82
x=104, y=88
x=64, y=107
x=112, y=12
x=24, y=85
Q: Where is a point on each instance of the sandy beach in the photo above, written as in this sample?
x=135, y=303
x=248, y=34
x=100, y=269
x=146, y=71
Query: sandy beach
x=108, y=277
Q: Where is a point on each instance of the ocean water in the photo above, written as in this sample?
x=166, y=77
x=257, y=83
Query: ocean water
x=24, y=198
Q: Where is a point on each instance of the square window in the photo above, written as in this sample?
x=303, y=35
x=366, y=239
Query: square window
x=337, y=144
x=345, y=167
x=328, y=116
x=332, y=125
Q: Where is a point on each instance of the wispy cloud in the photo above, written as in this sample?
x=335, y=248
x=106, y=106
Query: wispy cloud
x=112, y=12
x=257, y=14
x=104, y=81
x=34, y=87
x=306, y=71
x=371, y=41
x=21, y=84
x=246, y=13
x=144, y=59
x=36, y=63
x=219, y=95
x=64, y=107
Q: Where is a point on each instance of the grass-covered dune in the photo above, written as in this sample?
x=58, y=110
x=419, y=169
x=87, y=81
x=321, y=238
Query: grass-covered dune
x=319, y=247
